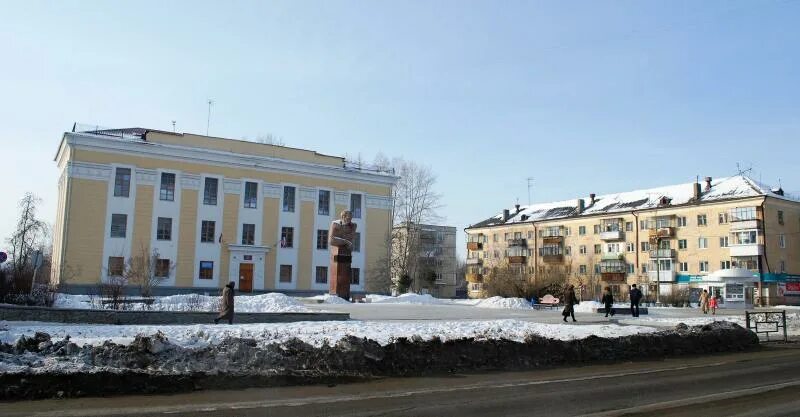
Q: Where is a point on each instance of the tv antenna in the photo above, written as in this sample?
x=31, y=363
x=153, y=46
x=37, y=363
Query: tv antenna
x=173, y=126
x=530, y=184
x=208, y=121
x=743, y=171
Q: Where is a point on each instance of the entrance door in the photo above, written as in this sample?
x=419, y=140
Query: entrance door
x=246, y=277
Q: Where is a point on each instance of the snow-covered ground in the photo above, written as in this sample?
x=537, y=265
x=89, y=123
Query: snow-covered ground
x=262, y=303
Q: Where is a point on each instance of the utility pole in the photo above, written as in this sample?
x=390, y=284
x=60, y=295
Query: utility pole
x=208, y=120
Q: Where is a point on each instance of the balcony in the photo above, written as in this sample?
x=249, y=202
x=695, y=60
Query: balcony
x=612, y=235
x=474, y=246
x=754, y=249
x=753, y=224
x=662, y=253
x=662, y=276
x=474, y=261
x=517, y=259
x=553, y=258
x=474, y=278
x=662, y=232
x=613, y=267
x=518, y=242
x=613, y=276
x=612, y=256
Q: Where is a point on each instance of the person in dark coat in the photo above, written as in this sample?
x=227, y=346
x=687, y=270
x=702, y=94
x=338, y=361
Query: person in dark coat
x=636, y=297
x=608, y=301
x=569, y=303
x=226, y=304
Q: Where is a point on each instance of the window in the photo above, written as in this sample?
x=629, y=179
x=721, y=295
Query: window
x=210, y=192
x=703, y=266
x=596, y=229
x=782, y=241
x=248, y=234
x=568, y=250
x=630, y=269
x=322, y=239
x=122, y=182
x=596, y=268
x=780, y=217
x=251, y=195
x=642, y=225
x=357, y=242
x=207, y=231
x=725, y=265
x=288, y=199
x=683, y=266
x=782, y=266
x=682, y=244
x=702, y=220
x=164, y=228
x=645, y=246
x=530, y=234
x=628, y=226
x=116, y=266
x=598, y=249
x=582, y=249
x=494, y=238
x=567, y=231
x=119, y=225
x=324, y=203
x=743, y=213
x=355, y=205
x=355, y=276
x=631, y=247
x=723, y=242
x=322, y=275
x=162, y=268
x=496, y=254
x=581, y=230
x=287, y=237
x=723, y=218
x=681, y=221
x=167, y=191
x=702, y=243
x=206, y=270
x=286, y=273
x=582, y=269
x=612, y=248
x=644, y=268
x=506, y=237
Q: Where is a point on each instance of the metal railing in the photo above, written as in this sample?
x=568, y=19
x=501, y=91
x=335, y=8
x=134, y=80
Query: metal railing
x=767, y=322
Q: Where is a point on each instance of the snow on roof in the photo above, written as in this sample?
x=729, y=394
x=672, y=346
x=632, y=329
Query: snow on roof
x=738, y=186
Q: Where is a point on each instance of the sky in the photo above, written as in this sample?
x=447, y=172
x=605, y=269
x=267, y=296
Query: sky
x=582, y=96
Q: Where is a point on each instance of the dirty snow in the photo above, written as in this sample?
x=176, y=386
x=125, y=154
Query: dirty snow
x=792, y=321
x=262, y=303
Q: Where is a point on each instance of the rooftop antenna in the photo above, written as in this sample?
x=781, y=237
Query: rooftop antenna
x=208, y=121
x=530, y=184
x=742, y=171
x=173, y=126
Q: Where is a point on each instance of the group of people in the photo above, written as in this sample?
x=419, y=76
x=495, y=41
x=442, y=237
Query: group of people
x=708, y=301
x=608, y=302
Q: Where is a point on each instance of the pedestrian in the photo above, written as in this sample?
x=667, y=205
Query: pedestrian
x=569, y=303
x=636, y=297
x=608, y=301
x=712, y=303
x=704, y=301
x=226, y=304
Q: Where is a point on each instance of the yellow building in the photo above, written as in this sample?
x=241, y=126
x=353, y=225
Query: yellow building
x=216, y=210
x=731, y=236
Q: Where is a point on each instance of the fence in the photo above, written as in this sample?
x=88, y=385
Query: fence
x=766, y=323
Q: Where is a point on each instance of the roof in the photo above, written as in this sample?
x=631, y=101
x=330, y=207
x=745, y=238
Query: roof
x=722, y=189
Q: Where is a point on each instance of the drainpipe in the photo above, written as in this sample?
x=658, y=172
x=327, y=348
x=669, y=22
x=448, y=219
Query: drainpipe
x=636, y=243
x=535, y=252
x=766, y=261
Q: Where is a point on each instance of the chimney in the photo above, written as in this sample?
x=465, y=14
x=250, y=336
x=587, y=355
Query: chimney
x=516, y=206
x=708, y=183
x=580, y=206
x=778, y=191
x=697, y=192
x=591, y=198
x=506, y=215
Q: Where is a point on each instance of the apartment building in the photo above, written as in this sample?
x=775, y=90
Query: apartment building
x=432, y=259
x=215, y=209
x=733, y=236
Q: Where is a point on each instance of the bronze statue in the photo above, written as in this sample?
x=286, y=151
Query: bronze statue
x=340, y=238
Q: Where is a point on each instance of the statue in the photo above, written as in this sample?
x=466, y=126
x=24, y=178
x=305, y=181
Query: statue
x=340, y=239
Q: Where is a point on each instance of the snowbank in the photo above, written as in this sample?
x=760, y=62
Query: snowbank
x=262, y=303
x=408, y=298
x=500, y=302
x=329, y=299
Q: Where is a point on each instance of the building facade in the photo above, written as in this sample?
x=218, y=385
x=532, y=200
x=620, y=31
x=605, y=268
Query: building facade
x=431, y=259
x=216, y=210
x=733, y=236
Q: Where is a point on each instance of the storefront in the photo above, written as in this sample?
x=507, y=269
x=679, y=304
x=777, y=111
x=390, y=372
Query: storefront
x=734, y=287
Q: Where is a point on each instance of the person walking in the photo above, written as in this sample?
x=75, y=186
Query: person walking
x=636, y=297
x=712, y=303
x=704, y=301
x=569, y=303
x=226, y=304
x=608, y=301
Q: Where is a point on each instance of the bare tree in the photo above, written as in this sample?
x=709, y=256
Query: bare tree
x=270, y=139
x=147, y=270
x=30, y=235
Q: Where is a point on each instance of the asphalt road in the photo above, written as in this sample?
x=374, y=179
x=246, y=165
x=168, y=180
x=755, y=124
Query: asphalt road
x=764, y=383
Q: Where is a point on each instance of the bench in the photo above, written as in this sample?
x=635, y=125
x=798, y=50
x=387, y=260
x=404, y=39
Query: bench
x=548, y=301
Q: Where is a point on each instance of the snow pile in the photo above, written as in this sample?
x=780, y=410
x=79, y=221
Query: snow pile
x=262, y=303
x=317, y=333
x=329, y=299
x=500, y=302
x=408, y=298
x=72, y=301
x=587, y=306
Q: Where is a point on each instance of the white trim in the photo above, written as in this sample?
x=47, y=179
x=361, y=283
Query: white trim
x=232, y=186
x=223, y=158
x=167, y=249
x=152, y=176
x=378, y=202
x=209, y=251
x=321, y=257
x=341, y=198
x=190, y=181
x=288, y=256
x=116, y=246
x=272, y=190
x=90, y=171
x=307, y=194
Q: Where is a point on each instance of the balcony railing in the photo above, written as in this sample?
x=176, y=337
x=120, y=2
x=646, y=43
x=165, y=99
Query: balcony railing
x=662, y=232
x=662, y=275
x=474, y=278
x=519, y=259
x=753, y=249
x=474, y=245
x=613, y=267
x=519, y=242
x=612, y=235
x=662, y=253
x=612, y=256
x=474, y=261
x=553, y=232
x=753, y=224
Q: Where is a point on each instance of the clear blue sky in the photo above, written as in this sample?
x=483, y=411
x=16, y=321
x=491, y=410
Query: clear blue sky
x=584, y=96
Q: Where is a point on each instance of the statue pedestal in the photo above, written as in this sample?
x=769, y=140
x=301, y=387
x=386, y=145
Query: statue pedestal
x=340, y=274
